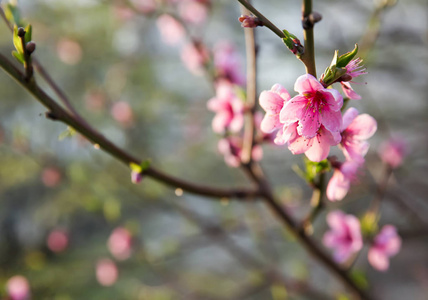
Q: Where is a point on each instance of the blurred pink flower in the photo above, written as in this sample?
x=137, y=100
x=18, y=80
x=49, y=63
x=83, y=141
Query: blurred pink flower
x=18, y=288
x=95, y=100
x=356, y=129
x=387, y=243
x=228, y=63
x=145, y=6
x=195, y=57
x=69, y=51
x=51, y=176
x=231, y=148
x=120, y=243
x=122, y=112
x=313, y=107
x=57, y=240
x=193, y=11
x=228, y=107
x=340, y=182
x=272, y=102
x=344, y=237
x=106, y=272
x=123, y=12
x=393, y=151
x=172, y=32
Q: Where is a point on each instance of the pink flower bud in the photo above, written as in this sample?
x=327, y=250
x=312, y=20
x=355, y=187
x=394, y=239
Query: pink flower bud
x=136, y=177
x=250, y=21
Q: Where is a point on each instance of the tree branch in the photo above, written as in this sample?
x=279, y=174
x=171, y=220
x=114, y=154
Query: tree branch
x=56, y=112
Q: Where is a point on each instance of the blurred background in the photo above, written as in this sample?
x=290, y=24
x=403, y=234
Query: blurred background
x=72, y=224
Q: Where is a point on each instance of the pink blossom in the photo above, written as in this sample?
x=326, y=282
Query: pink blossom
x=195, y=57
x=18, y=288
x=57, y=240
x=231, y=148
x=228, y=107
x=172, y=32
x=272, y=102
x=356, y=129
x=386, y=244
x=228, y=63
x=106, y=272
x=316, y=148
x=344, y=236
x=340, y=182
x=119, y=243
x=193, y=11
x=393, y=151
x=313, y=107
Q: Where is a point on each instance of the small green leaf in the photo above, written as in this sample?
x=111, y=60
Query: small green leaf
x=12, y=14
x=278, y=292
x=69, y=132
x=344, y=59
x=17, y=42
x=360, y=279
x=28, y=33
x=18, y=56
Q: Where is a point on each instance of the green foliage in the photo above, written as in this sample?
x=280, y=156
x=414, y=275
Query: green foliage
x=337, y=66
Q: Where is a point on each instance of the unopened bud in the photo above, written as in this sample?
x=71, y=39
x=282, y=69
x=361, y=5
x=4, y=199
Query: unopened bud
x=136, y=177
x=315, y=17
x=21, y=32
x=250, y=21
x=30, y=47
x=345, y=77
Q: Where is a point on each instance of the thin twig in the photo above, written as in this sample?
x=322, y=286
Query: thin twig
x=250, y=46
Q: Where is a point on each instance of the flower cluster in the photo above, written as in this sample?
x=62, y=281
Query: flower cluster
x=346, y=239
x=312, y=122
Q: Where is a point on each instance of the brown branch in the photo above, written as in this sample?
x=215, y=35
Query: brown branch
x=56, y=112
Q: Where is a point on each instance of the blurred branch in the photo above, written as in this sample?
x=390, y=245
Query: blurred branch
x=251, y=53
x=317, y=204
x=56, y=112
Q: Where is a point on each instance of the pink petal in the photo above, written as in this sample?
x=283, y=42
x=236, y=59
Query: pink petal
x=349, y=116
x=363, y=127
x=307, y=84
x=237, y=123
x=299, y=145
x=378, y=259
x=220, y=121
x=271, y=102
x=293, y=110
x=349, y=92
x=333, y=99
x=309, y=123
x=337, y=187
x=285, y=134
x=257, y=153
x=280, y=90
x=336, y=220
x=332, y=120
x=270, y=123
